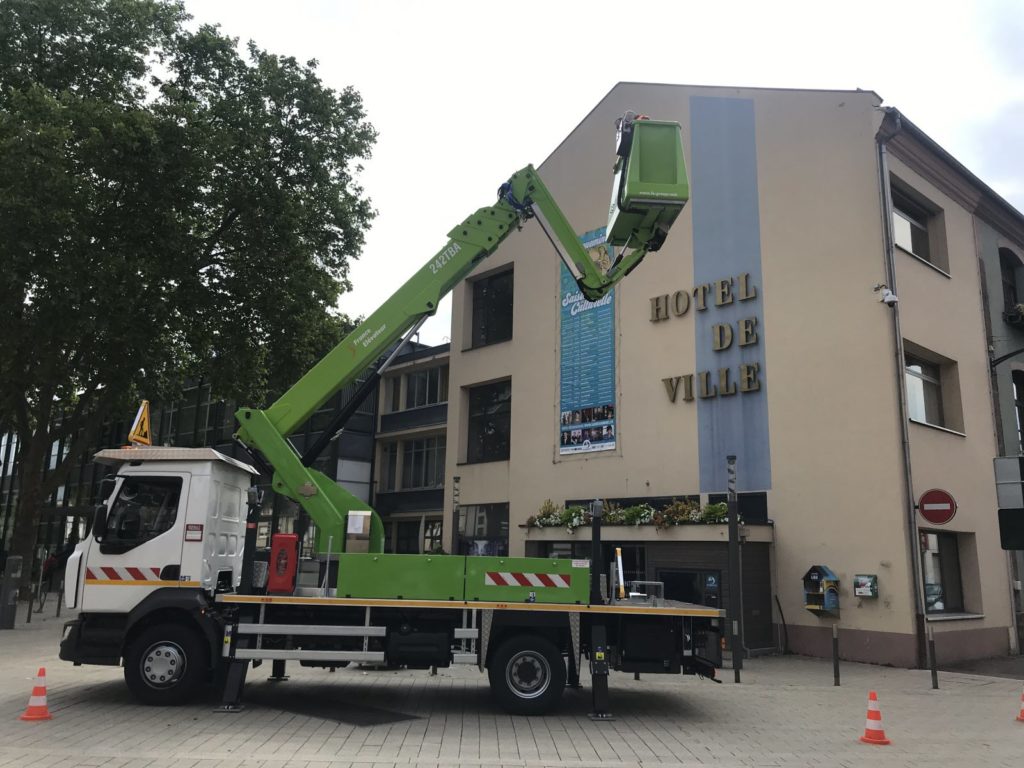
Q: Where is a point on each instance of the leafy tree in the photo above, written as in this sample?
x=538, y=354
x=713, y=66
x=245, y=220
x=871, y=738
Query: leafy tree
x=170, y=207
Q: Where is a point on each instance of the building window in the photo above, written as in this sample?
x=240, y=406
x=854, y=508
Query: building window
x=412, y=534
x=751, y=507
x=394, y=393
x=428, y=387
x=490, y=422
x=423, y=463
x=910, y=226
x=924, y=392
x=388, y=466
x=917, y=225
x=1018, y=403
x=483, y=530
x=940, y=564
x=933, y=388
x=1008, y=265
x=407, y=537
x=492, y=309
x=433, y=536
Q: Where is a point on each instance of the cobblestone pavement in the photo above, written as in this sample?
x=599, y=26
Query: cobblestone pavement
x=786, y=712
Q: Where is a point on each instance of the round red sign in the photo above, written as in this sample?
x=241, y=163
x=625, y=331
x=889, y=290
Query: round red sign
x=937, y=506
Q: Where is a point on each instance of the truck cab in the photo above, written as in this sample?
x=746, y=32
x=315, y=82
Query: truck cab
x=169, y=535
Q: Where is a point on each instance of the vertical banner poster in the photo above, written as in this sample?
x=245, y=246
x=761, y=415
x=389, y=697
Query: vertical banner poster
x=587, y=420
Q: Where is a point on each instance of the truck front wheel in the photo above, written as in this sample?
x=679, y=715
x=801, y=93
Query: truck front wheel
x=165, y=665
x=527, y=675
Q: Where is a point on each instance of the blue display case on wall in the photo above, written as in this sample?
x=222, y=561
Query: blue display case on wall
x=821, y=591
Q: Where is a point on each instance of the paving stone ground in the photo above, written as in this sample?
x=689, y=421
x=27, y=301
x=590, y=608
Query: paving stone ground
x=785, y=712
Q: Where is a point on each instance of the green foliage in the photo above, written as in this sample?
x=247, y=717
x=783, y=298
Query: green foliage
x=551, y=515
x=158, y=222
x=170, y=207
x=715, y=513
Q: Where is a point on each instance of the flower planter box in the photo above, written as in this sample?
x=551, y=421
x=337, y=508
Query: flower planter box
x=692, y=532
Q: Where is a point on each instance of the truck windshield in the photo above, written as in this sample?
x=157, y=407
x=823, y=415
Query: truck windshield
x=144, y=508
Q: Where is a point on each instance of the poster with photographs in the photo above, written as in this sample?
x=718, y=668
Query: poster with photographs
x=587, y=420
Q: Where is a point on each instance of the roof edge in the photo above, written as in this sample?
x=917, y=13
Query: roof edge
x=901, y=122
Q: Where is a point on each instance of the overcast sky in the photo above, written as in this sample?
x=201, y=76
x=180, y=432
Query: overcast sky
x=465, y=93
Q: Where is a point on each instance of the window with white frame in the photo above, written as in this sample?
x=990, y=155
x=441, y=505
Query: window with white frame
x=910, y=226
x=940, y=565
x=924, y=391
x=918, y=225
x=933, y=388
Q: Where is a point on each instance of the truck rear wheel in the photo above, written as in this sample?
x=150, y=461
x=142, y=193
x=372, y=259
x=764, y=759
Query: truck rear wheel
x=166, y=665
x=527, y=675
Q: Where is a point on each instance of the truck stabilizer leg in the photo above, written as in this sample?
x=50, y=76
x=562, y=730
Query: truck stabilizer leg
x=231, y=699
x=599, y=672
x=277, y=674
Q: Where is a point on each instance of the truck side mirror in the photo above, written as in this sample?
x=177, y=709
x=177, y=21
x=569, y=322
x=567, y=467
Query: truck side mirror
x=99, y=522
x=107, y=487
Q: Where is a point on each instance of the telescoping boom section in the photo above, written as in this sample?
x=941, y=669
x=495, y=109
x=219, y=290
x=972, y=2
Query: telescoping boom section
x=649, y=190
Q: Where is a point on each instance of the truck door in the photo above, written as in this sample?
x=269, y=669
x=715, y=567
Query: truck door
x=138, y=549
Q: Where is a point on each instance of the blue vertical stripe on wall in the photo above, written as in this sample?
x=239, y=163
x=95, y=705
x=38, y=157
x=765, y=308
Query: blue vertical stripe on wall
x=727, y=243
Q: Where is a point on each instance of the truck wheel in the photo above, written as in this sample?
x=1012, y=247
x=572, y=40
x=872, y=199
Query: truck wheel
x=166, y=665
x=527, y=675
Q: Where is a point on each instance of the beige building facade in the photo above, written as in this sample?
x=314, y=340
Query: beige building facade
x=758, y=331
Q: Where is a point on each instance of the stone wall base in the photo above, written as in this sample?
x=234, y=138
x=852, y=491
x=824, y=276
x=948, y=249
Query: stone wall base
x=898, y=649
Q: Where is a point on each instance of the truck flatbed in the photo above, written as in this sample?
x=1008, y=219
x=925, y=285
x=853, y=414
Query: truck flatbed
x=630, y=606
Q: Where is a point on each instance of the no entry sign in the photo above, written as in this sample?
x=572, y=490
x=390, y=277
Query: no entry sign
x=937, y=506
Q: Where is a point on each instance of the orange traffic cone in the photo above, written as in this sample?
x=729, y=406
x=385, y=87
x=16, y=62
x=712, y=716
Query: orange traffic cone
x=37, y=709
x=873, y=732
x=1020, y=717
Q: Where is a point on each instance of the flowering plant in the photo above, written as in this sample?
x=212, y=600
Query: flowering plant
x=551, y=515
x=685, y=512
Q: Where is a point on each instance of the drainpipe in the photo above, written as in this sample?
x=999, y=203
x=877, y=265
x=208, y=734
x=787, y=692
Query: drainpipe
x=917, y=585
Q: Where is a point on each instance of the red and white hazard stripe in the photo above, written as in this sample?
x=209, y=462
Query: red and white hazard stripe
x=122, y=573
x=504, y=579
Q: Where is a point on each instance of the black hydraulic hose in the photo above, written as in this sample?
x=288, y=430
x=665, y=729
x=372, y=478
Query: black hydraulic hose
x=312, y=453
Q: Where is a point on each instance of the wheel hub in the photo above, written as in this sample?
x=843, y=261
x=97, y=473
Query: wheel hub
x=528, y=674
x=163, y=664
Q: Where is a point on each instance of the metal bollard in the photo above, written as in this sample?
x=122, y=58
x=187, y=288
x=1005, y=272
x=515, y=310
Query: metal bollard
x=9, y=592
x=934, y=662
x=835, y=654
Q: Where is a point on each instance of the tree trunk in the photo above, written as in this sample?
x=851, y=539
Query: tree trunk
x=29, y=508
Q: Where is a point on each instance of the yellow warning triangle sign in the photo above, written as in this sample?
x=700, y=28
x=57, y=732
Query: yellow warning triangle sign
x=140, y=433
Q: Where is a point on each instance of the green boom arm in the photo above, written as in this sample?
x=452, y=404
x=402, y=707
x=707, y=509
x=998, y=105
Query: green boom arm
x=639, y=225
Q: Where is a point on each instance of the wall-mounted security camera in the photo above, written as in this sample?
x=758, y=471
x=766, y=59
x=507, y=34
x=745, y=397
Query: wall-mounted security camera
x=888, y=297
